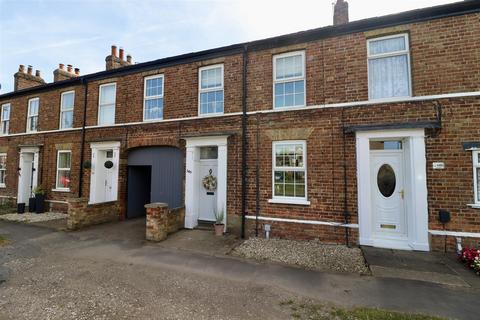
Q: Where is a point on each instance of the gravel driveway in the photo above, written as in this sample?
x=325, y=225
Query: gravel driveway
x=311, y=255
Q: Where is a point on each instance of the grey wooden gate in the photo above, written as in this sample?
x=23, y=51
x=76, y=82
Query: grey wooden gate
x=165, y=167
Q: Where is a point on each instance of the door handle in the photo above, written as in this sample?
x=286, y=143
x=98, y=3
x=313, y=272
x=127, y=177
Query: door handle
x=402, y=193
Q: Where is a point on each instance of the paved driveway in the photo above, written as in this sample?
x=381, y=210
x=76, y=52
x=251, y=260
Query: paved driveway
x=98, y=274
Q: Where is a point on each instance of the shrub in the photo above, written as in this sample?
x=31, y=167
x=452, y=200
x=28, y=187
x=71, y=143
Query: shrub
x=471, y=258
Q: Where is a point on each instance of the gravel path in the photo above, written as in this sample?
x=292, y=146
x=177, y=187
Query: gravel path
x=311, y=255
x=31, y=217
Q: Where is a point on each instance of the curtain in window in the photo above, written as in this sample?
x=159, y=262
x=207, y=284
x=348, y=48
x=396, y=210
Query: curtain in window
x=388, y=77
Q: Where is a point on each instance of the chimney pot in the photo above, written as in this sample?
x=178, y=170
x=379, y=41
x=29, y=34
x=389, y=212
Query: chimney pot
x=77, y=71
x=129, y=59
x=114, y=51
x=29, y=70
x=21, y=68
x=69, y=67
x=37, y=73
x=121, y=55
x=61, y=66
x=340, y=13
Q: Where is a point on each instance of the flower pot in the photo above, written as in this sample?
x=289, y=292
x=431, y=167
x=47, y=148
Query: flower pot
x=20, y=208
x=31, y=204
x=219, y=229
x=39, y=203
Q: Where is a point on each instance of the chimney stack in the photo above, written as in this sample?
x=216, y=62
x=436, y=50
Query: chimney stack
x=340, y=13
x=24, y=80
x=114, y=62
x=62, y=74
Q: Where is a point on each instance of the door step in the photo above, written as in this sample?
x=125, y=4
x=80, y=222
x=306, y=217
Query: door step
x=205, y=225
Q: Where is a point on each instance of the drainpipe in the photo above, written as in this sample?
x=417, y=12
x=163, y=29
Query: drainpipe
x=82, y=145
x=346, y=214
x=244, y=140
x=257, y=180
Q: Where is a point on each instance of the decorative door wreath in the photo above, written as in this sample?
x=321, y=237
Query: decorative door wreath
x=210, y=182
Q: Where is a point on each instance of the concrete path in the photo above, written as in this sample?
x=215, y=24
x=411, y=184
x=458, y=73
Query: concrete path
x=425, y=266
x=341, y=289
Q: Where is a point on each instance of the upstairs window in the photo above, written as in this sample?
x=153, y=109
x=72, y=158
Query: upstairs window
x=153, y=98
x=389, y=67
x=289, y=170
x=106, y=105
x=3, y=169
x=211, y=89
x=289, y=80
x=5, y=119
x=63, y=170
x=66, y=109
x=32, y=116
x=476, y=176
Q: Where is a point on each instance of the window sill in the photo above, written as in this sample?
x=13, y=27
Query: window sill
x=474, y=205
x=61, y=190
x=289, y=108
x=3, y=186
x=290, y=201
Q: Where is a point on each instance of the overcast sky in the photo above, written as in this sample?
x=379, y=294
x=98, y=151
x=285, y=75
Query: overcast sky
x=43, y=33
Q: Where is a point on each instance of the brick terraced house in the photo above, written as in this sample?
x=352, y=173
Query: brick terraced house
x=360, y=132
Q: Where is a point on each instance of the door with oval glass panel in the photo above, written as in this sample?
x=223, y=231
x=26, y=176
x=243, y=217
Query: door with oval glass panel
x=387, y=186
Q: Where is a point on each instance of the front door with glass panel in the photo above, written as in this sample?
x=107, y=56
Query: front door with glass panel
x=388, y=190
x=108, y=175
x=207, y=197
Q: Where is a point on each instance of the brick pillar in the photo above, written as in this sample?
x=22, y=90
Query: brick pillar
x=157, y=221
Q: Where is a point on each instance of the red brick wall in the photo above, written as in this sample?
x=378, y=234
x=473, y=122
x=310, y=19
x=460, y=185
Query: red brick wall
x=444, y=57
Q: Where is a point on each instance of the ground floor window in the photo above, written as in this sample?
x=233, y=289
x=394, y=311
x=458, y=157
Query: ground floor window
x=476, y=176
x=289, y=170
x=3, y=168
x=63, y=170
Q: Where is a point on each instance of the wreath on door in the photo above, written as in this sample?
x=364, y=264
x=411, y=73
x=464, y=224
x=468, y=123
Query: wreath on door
x=210, y=181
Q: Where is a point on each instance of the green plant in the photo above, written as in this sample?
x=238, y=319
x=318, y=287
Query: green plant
x=39, y=190
x=219, y=216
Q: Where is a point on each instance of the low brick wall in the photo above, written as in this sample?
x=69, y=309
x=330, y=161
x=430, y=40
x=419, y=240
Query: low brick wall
x=162, y=221
x=81, y=214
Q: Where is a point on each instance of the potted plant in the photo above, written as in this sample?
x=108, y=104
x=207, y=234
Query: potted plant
x=39, y=199
x=219, y=225
x=31, y=203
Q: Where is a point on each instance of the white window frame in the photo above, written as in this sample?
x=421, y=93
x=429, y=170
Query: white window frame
x=289, y=200
x=145, y=98
x=200, y=90
x=476, y=165
x=57, y=188
x=67, y=110
x=390, y=54
x=3, y=184
x=292, y=79
x=100, y=105
x=2, y=120
x=30, y=116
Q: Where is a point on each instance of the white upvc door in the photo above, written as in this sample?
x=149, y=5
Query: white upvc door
x=28, y=174
x=104, y=176
x=207, y=199
x=388, y=195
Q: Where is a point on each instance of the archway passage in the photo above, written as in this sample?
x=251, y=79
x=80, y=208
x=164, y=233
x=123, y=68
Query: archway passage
x=155, y=174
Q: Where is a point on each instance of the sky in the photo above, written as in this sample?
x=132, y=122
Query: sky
x=44, y=33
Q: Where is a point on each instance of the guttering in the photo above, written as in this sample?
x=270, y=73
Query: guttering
x=244, y=139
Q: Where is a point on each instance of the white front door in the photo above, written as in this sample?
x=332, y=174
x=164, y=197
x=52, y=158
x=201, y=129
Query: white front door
x=388, y=193
x=27, y=180
x=207, y=196
x=104, y=174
